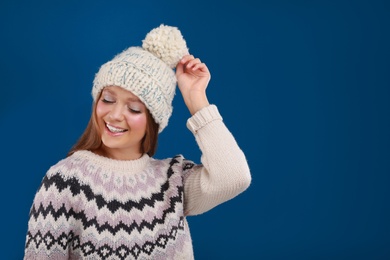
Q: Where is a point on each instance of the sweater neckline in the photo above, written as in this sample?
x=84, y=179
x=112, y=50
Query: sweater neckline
x=113, y=164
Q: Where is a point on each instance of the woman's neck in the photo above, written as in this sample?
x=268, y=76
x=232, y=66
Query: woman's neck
x=117, y=154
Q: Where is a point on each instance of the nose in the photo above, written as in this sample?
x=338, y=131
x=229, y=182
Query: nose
x=116, y=112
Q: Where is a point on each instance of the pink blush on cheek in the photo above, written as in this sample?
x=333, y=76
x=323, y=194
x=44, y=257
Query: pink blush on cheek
x=101, y=109
x=136, y=121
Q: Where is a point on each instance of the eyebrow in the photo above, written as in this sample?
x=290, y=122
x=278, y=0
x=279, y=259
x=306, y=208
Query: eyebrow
x=133, y=99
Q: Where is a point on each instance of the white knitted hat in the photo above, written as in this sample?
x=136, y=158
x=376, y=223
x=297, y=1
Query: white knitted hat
x=147, y=72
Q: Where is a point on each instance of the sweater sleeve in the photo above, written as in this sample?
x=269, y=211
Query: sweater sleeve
x=224, y=172
x=48, y=232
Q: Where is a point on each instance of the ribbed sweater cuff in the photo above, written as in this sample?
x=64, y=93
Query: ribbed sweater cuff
x=202, y=118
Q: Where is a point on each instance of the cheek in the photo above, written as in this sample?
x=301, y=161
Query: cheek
x=100, y=110
x=137, y=122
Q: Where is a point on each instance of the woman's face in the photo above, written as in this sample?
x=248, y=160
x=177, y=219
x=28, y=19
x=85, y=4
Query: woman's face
x=121, y=118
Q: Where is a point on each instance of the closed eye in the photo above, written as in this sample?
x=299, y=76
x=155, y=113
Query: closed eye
x=134, y=111
x=107, y=101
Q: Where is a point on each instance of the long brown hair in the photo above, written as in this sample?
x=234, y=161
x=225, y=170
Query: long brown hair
x=91, y=138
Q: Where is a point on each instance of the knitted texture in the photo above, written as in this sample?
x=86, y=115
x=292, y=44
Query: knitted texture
x=93, y=207
x=86, y=209
x=166, y=43
x=147, y=72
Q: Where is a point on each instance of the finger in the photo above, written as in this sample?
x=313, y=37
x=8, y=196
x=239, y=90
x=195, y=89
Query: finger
x=192, y=63
x=201, y=67
x=186, y=58
x=198, y=66
x=179, y=68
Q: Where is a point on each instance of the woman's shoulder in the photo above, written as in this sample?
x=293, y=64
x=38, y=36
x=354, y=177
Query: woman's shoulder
x=66, y=165
x=58, y=175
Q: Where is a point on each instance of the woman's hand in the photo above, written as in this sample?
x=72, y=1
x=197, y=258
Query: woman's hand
x=193, y=76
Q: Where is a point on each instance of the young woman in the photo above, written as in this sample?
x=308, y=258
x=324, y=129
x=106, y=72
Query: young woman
x=110, y=199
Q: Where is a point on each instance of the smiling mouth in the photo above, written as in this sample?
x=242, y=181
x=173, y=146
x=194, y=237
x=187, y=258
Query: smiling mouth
x=113, y=129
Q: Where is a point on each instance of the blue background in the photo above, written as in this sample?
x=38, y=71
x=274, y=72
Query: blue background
x=302, y=85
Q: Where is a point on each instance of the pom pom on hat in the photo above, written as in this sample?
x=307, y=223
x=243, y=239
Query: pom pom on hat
x=147, y=72
x=166, y=43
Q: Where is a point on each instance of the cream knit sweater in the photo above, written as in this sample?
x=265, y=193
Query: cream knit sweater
x=93, y=207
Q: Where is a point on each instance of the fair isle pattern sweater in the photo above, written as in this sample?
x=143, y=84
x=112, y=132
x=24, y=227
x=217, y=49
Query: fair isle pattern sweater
x=93, y=207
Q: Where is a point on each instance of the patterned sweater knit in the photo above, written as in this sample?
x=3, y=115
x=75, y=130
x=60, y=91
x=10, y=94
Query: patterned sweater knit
x=93, y=207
